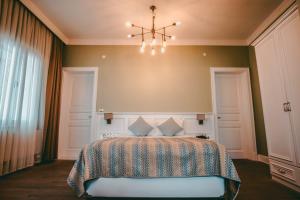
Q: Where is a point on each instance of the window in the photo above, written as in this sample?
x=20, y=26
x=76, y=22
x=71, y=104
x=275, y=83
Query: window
x=21, y=87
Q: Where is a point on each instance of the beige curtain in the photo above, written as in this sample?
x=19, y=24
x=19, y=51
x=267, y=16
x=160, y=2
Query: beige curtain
x=25, y=46
x=51, y=125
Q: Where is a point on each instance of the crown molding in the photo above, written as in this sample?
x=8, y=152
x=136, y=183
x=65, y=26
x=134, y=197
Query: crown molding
x=179, y=42
x=269, y=20
x=182, y=42
x=96, y=41
x=275, y=24
x=39, y=14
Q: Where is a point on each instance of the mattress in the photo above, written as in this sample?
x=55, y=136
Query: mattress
x=156, y=187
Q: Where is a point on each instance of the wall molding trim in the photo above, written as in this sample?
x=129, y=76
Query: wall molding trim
x=122, y=120
x=179, y=42
x=96, y=41
x=41, y=16
x=156, y=113
x=270, y=21
x=263, y=158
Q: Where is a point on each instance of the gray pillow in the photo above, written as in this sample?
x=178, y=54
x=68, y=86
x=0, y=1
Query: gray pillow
x=170, y=127
x=140, y=127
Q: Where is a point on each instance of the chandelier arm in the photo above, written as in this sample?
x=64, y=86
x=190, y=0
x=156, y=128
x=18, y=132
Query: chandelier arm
x=159, y=33
x=138, y=34
x=136, y=26
x=161, y=28
x=169, y=36
x=147, y=32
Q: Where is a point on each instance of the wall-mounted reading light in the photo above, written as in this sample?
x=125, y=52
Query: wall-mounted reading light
x=108, y=117
x=200, y=118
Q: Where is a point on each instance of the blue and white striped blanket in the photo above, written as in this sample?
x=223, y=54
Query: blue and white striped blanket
x=142, y=157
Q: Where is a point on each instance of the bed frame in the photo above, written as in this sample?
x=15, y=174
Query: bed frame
x=172, y=187
x=122, y=120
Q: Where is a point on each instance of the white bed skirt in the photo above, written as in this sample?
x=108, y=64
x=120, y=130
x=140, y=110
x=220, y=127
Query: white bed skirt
x=157, y=187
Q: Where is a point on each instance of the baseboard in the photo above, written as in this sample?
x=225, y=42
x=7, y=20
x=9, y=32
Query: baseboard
x=285, y=183
x=67, y=157
x=263, y=158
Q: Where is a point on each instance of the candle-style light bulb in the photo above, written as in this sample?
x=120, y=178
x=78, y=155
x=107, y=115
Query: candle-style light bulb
x=128, y=24
x=153, y=52
x=162, y=49
x=142, y=50
x=143, y=44
x=153, y=42
x=164, y=44
x=178, y=23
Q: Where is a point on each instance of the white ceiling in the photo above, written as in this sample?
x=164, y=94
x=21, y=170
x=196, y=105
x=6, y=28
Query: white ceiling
x=203, y=21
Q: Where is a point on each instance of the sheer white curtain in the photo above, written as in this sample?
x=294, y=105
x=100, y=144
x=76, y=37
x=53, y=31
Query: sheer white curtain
x=24, y=59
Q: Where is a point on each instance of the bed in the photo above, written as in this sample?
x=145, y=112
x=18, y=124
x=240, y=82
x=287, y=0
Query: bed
x=154, y=167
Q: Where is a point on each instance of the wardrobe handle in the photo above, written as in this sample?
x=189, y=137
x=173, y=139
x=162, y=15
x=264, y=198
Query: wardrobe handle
x=282, y=171
x=289, y=108
x=285, y=107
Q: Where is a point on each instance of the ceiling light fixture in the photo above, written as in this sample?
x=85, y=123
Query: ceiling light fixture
x=154, y=32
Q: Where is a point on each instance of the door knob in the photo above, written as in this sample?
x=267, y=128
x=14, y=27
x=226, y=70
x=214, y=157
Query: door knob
x=219, y=117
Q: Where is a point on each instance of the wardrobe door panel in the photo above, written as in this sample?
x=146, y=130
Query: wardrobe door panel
x=277, y=122
x=289, y=40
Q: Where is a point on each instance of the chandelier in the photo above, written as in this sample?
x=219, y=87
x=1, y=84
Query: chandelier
x=155, y=33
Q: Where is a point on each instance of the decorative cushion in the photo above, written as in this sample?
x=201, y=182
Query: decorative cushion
x=140, y=127
x=170, y=127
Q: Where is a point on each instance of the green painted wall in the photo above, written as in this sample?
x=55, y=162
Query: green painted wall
x=178, y=81
x=261, y=140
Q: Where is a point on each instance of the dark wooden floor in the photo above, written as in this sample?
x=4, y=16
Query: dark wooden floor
x=48, y=181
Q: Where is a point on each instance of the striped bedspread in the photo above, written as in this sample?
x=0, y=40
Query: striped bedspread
x=142, y=157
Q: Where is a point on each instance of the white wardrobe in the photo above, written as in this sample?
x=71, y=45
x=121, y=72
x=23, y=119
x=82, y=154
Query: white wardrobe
x=278, y=60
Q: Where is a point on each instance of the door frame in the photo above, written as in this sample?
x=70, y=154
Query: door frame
x=62, y=123
x=244, y=72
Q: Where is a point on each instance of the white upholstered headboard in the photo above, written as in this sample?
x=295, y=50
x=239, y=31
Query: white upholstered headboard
x=121, y=121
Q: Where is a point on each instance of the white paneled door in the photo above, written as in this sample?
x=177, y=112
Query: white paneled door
x=277, y=121
x=289, y=39
x=278, y=66
x=76, y=112
x=229, y=113
x=233, y=109
x=278, y=59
